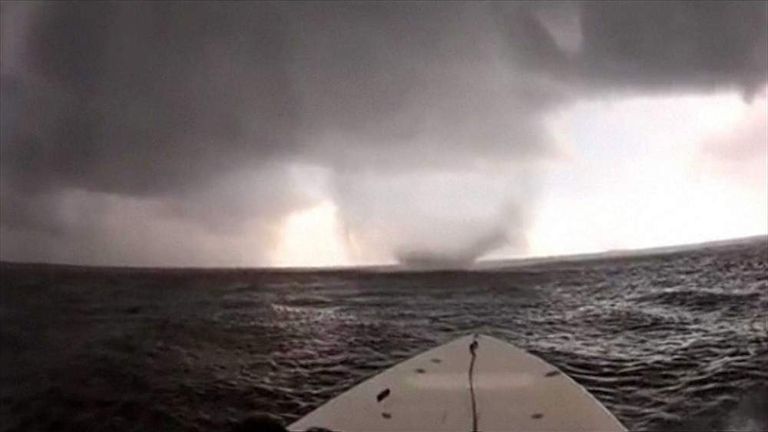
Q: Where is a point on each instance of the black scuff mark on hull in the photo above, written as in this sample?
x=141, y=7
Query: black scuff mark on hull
x=382, y=395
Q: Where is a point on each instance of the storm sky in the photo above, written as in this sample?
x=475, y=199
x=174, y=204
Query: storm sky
x=218, y=134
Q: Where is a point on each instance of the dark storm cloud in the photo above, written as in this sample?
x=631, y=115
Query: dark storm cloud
x=383, y=77
x=178, y=102
x=676, y=44
x=144, y=100
x=149, y=98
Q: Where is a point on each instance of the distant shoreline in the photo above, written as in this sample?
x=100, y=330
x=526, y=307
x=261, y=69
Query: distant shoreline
x=624, y=253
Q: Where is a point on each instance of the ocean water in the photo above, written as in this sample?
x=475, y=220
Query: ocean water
x=670, y=342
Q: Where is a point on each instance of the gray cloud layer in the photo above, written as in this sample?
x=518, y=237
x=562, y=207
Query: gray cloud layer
x=197, y=109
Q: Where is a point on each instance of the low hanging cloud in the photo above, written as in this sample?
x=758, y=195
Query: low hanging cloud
x=187, y=119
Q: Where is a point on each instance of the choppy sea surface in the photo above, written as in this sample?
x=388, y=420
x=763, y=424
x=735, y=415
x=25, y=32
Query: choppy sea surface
x=677, y=341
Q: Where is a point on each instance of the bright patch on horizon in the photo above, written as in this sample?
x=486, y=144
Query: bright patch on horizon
x=638, y=173
x=311, y=238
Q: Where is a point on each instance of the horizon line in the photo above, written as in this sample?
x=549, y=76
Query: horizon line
x=478, y=265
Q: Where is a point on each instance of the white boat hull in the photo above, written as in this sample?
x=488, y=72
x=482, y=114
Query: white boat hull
x=513, y=390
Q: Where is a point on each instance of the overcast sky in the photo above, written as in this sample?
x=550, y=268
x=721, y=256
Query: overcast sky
x=257, y=134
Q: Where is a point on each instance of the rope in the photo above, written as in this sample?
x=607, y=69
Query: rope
x=472, y=349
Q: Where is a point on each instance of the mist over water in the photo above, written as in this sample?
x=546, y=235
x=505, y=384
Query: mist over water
x=669, y=342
